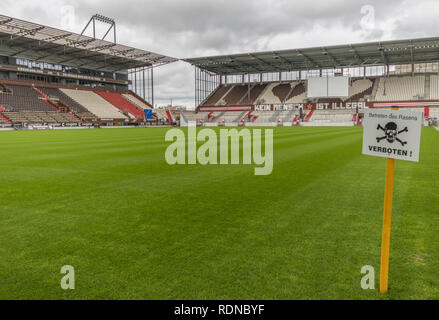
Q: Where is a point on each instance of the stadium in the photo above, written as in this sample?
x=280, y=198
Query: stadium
x=289, y=88
x=77, y=192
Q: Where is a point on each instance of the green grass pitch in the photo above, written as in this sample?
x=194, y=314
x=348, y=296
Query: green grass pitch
x=106, y=202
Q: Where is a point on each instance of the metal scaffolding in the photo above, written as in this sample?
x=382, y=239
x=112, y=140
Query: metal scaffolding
x=142, y=83
x=35, y=42
x=205, y=83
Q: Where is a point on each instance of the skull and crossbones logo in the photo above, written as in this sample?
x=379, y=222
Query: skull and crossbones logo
x=391, y=133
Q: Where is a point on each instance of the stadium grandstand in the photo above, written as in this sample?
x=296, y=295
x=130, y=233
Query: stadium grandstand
x=50, y=77
x=329, y=86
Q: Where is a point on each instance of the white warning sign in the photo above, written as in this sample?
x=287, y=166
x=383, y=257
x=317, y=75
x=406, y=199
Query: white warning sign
x=392, y=134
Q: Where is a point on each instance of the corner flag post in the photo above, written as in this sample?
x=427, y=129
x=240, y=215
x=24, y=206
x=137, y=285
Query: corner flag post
x=387, y=218
x=387, y=222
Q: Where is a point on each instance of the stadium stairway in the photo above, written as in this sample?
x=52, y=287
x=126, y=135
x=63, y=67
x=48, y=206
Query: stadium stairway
x=275, y=117
x=426, y=113
x=169, y=116
x=142, y=101
x=289, y=116
x=137, y=100
x=117, y=100
x=41, y=93
x=290, y=93
x=427, y=85
x=243, y=117
x=248, y=116
x=240, y=117
x=360, y=95
x=75, y=116
x=46, y=99
x=375, y=87
x=309, y=116
x=5, y=119
x=218, y=117
x=282, y=90
x=4, y=89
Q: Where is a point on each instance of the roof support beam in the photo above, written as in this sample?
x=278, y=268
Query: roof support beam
x=284, y=59
x=5, y=21
x=249, y=66
x=56, y=38
x=78, y=43
x=35, y=42
x=383, y=56
x=26, y=32
x=356, y=56
x=307, y=58
x=262, y=60
x=412, y=55
x=102, y=47
x=38, y=48
x=334, y=60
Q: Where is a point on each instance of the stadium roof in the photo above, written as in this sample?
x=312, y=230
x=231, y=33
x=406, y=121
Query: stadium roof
x=363, y=54
x=32, y=41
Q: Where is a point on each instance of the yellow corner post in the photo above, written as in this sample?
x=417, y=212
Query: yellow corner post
x=387, y=222
x=387, y=219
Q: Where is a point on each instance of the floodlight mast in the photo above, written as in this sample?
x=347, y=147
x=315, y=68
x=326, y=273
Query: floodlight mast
x=104, y=19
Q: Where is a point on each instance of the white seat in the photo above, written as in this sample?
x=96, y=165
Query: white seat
x=95, y=104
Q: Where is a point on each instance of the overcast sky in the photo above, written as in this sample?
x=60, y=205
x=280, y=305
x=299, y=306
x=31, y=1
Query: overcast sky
x=192, y=28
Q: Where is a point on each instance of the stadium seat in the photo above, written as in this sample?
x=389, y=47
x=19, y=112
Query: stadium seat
x=95, y=104
x=434, y=86
x=137, y=101
x=397, y=88
x=255, y=92
x=359, y=89
x=216, y=96
x=283, y=90
x=236, y=94
x=23, y=98
x=119, y=101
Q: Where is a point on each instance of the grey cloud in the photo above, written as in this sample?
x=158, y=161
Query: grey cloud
x=188, y=28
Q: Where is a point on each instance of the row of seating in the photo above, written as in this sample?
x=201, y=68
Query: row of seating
x=278, y=93
x=3, y=120
x=359, y=89
x=123, y=104
x=255, y=92
x=38, y=117
x=56, y=94
x=434, y=87
x=332, y=117
x=217, y=95
x=83, y=104
x=298, y=94
x=327, y=116
x=401, y=88
x=275, y=116
x=393, y=88
x=95, y=104
x=236, y=94
x=20, y=98
x=138, y=102
x=271, y=117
